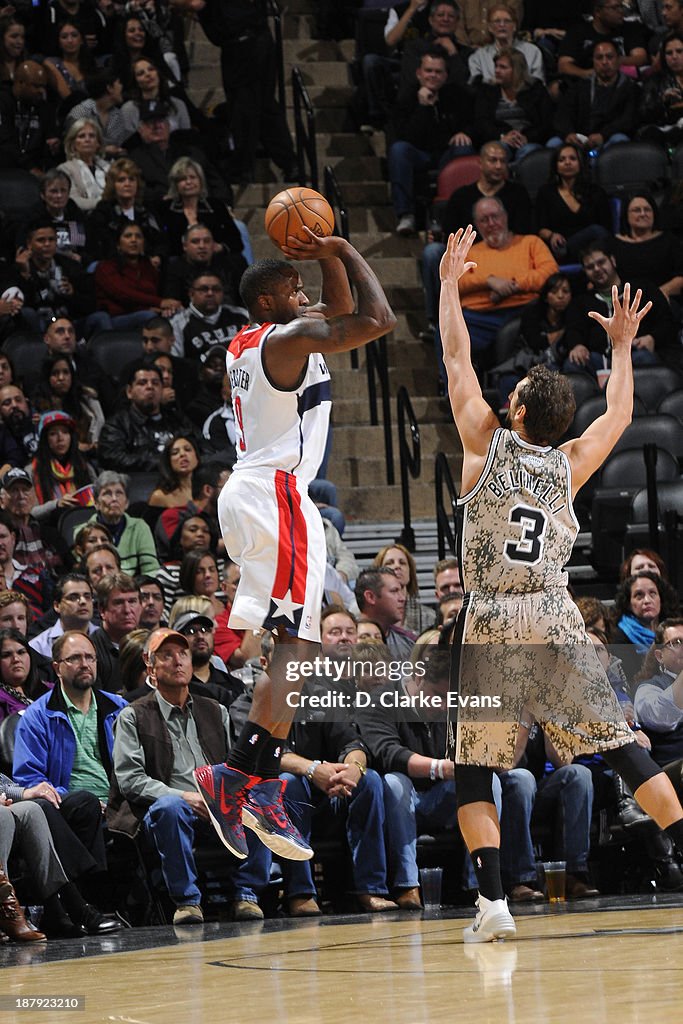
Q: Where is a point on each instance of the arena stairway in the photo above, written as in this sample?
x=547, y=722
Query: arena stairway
x=357, y=466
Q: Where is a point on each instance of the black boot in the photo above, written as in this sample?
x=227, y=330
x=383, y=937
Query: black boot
x=629, y=814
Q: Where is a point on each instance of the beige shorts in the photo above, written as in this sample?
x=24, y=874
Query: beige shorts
x=531, y=653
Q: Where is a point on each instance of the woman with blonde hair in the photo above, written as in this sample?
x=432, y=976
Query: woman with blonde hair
x=397, y=557
x=84, y=164
x=188, y=203
x=515, y=108
x=122, y=199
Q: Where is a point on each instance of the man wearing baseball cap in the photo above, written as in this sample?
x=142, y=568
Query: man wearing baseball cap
x=160, y=740
x=207, y=678
x=38, y=544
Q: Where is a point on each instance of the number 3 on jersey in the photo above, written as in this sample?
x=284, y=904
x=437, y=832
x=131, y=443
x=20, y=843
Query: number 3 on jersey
x=237, y=406
x=529, y=548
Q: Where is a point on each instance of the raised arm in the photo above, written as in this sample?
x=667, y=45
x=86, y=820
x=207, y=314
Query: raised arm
x=336, y=297
x=372, y=318
x=474, y=418
x=587, y=453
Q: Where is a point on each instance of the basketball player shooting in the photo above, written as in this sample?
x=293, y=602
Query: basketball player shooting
x=281, y=399
x=521, y=634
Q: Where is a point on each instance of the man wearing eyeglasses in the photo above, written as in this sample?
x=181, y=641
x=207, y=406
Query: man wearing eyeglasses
x=509, y=272
x=66, y=738
x=207, y=678
x=207, y=321
x=658, y=701
x=73, y=601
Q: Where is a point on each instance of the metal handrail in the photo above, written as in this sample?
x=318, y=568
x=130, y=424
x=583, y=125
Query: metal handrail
x=445, y=532
x=275, y=15
x=334, y=197
x=376, y=361
x=376, y=364
x=306, y=143
x=410, y=461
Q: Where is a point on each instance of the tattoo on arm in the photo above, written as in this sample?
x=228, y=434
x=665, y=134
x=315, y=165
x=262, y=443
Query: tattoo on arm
x=339, y=331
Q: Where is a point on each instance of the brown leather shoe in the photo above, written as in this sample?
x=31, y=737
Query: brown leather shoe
x=304, y=906
x=525, y=894
x=375, y=904
x=577, y=889
x=12, y=919
x=409, y=899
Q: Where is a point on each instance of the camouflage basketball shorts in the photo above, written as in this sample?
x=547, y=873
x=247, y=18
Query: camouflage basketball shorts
x=526, y=655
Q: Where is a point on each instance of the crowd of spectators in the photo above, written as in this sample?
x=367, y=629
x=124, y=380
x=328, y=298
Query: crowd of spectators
x=133, y=231
x=509, y=81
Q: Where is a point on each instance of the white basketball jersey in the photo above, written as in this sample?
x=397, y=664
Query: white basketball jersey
x=519, y=525
x=277, y=429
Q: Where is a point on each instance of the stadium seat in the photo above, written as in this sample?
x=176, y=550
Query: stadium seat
x=672, y=405
x=26, y=352
x=664, y=431
x=651, y=382
x=534, y=170
x=113, y=350
x=141, y=486
x=677, y=162
x=626, y=468
x=71, y=520
x=462, y=171
x=595, y=406
x=584, y=387
x=669, y=497
x=629, y=165
x=19, y=193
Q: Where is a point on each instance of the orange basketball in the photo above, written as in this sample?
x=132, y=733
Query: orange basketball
x=293, y=208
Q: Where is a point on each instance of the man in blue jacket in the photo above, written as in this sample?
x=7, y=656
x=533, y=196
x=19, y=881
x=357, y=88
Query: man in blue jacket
x=65, y=738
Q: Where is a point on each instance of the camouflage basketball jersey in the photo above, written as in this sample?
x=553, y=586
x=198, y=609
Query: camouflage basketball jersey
x=519, y=525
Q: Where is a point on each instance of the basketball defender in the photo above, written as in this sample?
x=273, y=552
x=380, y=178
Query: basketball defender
x=522, y=636
x=272, y=529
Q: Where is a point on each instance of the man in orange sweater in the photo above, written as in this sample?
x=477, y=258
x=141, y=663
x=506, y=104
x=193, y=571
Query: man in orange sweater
x=510, y=272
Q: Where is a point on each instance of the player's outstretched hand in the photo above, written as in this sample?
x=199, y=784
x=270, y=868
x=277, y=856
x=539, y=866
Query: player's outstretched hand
x=453, y=264
x=314, y=248
x=623, y=325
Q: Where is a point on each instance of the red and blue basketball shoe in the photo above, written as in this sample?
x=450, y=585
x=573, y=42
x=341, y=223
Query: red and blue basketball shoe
x=264, y=813
x=223, y=790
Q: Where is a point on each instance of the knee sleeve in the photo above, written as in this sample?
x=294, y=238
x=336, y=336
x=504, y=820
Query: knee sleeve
x=633, y=763
x=473, y=784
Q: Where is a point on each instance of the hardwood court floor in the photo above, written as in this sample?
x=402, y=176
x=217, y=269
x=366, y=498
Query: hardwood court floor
x=615, y=965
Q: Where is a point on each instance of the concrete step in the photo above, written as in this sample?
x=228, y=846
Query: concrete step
x=368, y=502
x=352, y=168
x=366, y=194
x=297, y=26
x=349, y=441
x=417, y=381
x=427, y=409
x=335, y=119
x=323, y=97
x=344, y=144
x=317, y=74
x=371, y=472
x=303, y=51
